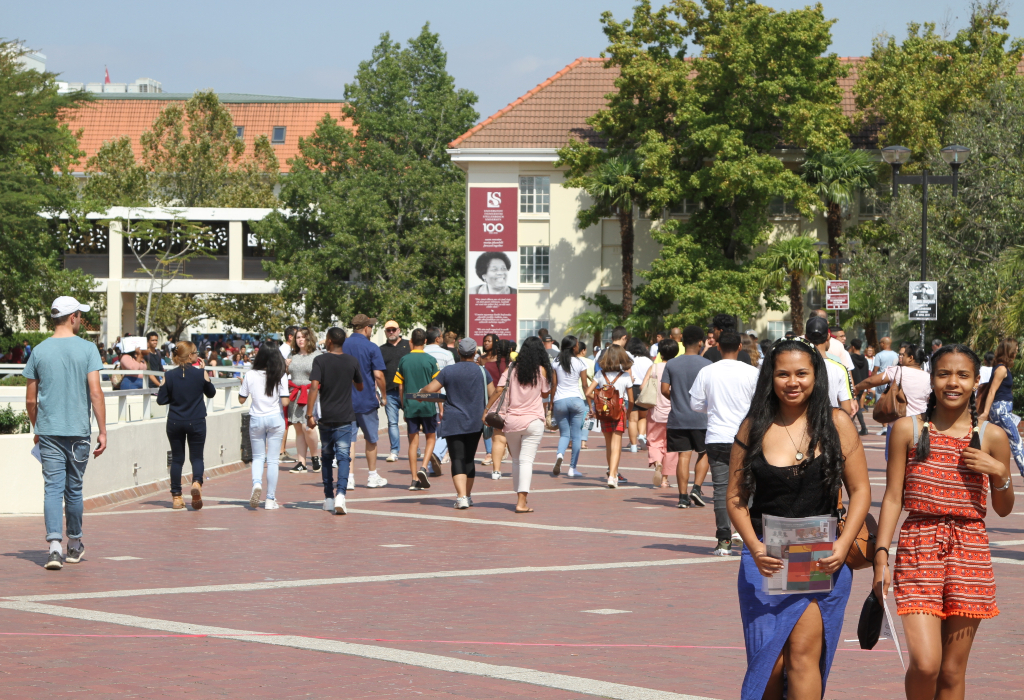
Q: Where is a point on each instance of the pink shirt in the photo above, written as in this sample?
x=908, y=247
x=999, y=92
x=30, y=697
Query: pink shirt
x=523, y=404
x=659, y=414
x=129, y=362
x=916, y=384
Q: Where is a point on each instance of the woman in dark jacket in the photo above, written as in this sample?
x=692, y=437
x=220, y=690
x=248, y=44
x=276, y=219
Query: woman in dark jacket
x=184, y=392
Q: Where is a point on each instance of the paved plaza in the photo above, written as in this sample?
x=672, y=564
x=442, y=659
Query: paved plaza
x=599, y=593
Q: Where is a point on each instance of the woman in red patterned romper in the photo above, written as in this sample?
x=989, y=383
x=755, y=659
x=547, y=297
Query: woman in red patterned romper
x=941, y=467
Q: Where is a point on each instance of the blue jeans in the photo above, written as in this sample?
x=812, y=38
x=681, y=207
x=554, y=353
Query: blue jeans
x=999, y=414
x=266, y=434
x=391, y=410
x=570, y=414
x=64, y=460
x=440, y=447
x=130, y=382
x=335, y=441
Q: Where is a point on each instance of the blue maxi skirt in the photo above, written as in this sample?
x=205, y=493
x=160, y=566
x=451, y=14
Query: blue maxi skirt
x=768, y=621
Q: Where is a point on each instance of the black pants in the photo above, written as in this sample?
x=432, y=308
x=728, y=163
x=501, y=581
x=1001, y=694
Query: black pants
x=178, y=431
x=860, y=417
x=462, y=450
x=718, y=459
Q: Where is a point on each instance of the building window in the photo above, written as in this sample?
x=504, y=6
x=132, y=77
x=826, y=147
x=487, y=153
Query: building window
x=684, y=208
x=533, y=264
x=529, y=327
x=278, y=134
x=882, y=329
x=534, y=195
x=240, y=132
x=778, y=329
x=780, y=207
x=870, y=205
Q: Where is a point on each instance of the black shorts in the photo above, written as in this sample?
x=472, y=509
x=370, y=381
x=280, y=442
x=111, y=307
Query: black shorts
x=636, y=395
x=686, y=440
x=462, y=450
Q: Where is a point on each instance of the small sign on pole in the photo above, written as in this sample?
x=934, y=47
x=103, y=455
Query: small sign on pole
x=924, y=301
x=837, y=295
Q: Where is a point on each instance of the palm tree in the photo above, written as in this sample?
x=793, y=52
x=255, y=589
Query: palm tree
x=592, y=323
x=793, y=260
x=613, y=183
x=836, y=177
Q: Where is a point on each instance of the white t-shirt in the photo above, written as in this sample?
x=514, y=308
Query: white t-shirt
x=724, y=391
x=838, y=383
x=654, y=350
x=254, y=386
x=569, y=382
x=986, y=375
x=286, y=350
x=640, y=367
x=622, y=384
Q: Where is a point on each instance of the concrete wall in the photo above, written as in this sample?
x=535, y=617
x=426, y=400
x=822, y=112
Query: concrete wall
x=136, y=455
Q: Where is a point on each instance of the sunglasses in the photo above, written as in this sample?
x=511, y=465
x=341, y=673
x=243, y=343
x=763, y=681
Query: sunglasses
x=390, y=330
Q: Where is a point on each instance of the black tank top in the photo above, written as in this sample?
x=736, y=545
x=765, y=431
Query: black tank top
x=790, y=492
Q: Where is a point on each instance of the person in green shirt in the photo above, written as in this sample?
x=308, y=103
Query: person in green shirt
x=415, y=371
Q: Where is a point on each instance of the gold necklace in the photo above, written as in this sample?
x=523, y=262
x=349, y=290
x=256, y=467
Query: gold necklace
x=799, y=455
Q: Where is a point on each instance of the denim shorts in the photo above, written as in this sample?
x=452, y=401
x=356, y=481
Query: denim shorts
x=428, y=424
x=370, y=425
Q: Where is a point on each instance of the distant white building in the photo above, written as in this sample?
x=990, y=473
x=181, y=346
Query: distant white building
x=142, y=85
x=33, y=61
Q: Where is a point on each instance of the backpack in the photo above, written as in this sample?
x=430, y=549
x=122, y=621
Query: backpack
x=607, y=405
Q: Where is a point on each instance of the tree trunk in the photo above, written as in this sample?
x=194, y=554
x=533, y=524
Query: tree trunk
x=835, y=230
x=626, y=231
x=796, y=303
x=871, y=333
x=597, y=341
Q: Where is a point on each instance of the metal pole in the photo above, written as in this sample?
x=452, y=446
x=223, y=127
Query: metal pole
x=924, y=236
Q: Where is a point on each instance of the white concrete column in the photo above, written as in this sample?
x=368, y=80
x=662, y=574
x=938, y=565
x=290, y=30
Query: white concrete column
x=128, y=314
x=235, y=250
x=113, y=320
x=115, y=249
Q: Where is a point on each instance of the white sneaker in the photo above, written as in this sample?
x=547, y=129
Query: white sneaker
x=642, y=439
x=446, y=459
x=612, y=483
x=461, y=503
x=882, y=431
x=469, y=500
x=254, y=497
x=270, y=504
x=573, y=473
x=339, y=504
x=329, y=504
x=376, y=481
x=393, y=457
x=558, y=465
x=632, y=448
x=495, y=475
x=351, y=481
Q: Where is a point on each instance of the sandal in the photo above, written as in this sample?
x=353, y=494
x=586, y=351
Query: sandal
x=658, y=477
x=488, y=462
x=520, y=512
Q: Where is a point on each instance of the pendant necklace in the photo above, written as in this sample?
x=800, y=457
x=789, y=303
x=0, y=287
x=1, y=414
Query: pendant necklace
x=799, y=455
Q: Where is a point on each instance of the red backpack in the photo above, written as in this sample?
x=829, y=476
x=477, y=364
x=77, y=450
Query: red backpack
x=606, y=401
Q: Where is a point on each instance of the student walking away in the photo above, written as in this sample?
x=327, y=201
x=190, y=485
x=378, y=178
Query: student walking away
x=366, y=402
x=686, y=428
x=860, y=372
x=609, y=394
x=941, y=469
x=791, y=456
x=415, y=371
x=153, y=362
x=267, y=386
x=300, y=363
x=998, y=406
x=723, y=391
x=722, y=323
x=549, y=344
x=908, y=375
x=569, y=408
x=529, y=381
x=589, y=362
x=436, y=349
x=841, y=387
x=63, y=376
x=642, y=362
x=184, y=391
x=394, y=349
x=467, y=388
x=332, y=378
x=837, y=341
x=658, y=457
x=495, y=445
x=286, y=351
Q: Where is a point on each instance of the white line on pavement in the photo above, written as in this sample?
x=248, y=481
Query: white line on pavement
x=1004, y=560
x=435, y=662
x=303, y=583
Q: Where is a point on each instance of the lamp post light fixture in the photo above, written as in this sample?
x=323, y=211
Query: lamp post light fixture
x=898, y=156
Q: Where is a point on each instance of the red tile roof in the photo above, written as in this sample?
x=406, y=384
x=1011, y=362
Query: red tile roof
x=557, y=109
x=107, y=119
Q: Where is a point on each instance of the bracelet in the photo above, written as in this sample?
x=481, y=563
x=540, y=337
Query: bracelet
x=882, y=549
x=1006, y=484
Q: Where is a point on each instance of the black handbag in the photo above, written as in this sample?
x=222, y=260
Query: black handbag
x=870, y=624
x=494, y=419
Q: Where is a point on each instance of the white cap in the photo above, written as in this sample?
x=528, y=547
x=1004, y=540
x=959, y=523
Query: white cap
x=62, y=306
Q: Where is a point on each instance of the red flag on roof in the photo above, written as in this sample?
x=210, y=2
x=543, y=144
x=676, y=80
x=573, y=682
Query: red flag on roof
x=106, y=75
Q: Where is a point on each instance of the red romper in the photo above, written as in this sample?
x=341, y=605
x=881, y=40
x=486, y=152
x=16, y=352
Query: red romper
x=943, y=564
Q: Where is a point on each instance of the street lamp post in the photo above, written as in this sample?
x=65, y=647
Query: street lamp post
x=897, y=157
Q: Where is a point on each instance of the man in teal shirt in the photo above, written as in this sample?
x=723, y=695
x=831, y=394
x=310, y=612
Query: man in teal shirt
x=63, y=379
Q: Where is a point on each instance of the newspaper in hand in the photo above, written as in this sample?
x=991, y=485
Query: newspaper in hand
x=799, y=543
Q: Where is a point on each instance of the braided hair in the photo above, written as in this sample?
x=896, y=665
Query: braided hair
x=924, y=440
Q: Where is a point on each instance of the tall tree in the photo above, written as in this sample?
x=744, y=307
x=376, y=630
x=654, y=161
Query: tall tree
x=376, y=218
x=37, y=156
x=792, y=264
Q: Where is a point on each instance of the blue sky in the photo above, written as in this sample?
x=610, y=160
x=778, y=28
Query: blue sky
x=311, y=49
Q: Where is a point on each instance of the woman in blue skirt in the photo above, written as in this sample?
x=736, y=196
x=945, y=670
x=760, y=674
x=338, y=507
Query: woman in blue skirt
x=792, y=455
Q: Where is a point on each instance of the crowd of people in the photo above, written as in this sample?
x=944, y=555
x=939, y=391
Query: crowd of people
x=773, y=423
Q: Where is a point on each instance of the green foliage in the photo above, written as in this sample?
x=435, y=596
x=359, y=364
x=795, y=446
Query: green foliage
x=33, y=337
x=116, y=179
x=376, y=219
x=14, y=380
x=12, y=422
x=837, y=176
x=791, y=264
x=915, y=85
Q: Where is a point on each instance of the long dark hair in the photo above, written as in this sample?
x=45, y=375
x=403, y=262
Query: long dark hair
x=917, y=354
x=531, y=358
x=821, y=428
x=567, y=352
x=924, y=443
x=270, y=360
x=637, y=347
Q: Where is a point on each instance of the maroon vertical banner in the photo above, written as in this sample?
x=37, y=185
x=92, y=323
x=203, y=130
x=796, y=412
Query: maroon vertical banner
x=492, y=263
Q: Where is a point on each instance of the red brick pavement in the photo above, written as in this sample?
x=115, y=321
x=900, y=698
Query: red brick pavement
x=511, y=619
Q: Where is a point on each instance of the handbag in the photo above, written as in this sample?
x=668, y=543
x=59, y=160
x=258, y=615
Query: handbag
x=607, y=404
x=648, y=397
x=862, y=551
x=892, y=405
x=869, y=627
x=494, y=419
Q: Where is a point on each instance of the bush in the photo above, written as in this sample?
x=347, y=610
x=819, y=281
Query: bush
x=14, y=380
x=33, y=337
x=12, y=423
